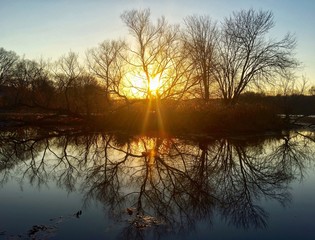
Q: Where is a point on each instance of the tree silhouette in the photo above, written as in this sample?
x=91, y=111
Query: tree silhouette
x=247, y=57
x=67, y=71
x=107, y=63
x=7, y=61
x=156, y=55
x=200, y=38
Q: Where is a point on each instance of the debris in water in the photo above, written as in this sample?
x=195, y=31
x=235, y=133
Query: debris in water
x=129, y=211
x=144, y=221
x=37, y=229
x=78, y=214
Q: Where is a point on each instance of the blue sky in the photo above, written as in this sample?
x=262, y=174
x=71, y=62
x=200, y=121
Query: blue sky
x=50, y=28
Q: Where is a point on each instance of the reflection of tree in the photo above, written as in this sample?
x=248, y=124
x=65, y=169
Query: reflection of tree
x=167, y=182
x=15, y=148
x=102, y=180
x=289, y=153
x=42, y=156
x=241, y=179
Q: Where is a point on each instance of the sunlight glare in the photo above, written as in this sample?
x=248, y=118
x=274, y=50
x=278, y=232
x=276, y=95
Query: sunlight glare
x=138, y=85
x=155, y=83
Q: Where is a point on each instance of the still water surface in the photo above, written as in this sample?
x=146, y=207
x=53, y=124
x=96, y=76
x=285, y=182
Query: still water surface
x=69, y=185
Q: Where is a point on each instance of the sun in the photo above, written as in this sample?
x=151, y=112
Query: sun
x=139, y=87
x=154, y=83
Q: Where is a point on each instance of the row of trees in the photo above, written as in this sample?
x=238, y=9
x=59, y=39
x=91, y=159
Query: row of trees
x=63, y=85
x=205, y=59
x=201, y=59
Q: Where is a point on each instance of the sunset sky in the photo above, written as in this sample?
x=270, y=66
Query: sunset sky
x=50, y=28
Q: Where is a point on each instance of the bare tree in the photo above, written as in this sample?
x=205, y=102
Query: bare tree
x=247, y=56
x=27, y=76
x=7, y=61
x=67, y=71
x=289, y=85
x=106, y=62
x=200, y=42
x=155, y=56
x=42, y=86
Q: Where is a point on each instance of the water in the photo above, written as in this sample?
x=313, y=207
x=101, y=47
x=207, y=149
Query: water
x=70, y=185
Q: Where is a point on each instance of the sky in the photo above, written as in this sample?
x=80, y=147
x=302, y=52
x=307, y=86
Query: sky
x=50, y=28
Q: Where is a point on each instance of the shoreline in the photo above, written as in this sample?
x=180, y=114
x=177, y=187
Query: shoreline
x=66, y=123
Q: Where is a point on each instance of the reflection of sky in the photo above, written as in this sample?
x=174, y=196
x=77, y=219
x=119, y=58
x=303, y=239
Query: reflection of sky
x=293, y=221
x=51, y=28
x=20, y=210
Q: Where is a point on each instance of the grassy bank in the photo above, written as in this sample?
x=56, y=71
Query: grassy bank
x=190, y=117
x=168, y=116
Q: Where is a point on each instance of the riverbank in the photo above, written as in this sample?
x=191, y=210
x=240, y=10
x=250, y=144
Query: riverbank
x=167, y=118
x=253, y=113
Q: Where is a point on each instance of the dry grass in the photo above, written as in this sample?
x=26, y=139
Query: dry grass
x=187, y=117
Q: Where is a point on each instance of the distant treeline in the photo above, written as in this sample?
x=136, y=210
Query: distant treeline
x=295, y=104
